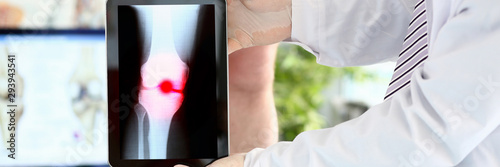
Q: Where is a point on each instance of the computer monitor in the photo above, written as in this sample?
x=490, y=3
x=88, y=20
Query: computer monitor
x=60, y=98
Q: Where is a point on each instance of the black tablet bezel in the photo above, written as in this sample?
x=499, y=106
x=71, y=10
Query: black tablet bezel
x=113, y=68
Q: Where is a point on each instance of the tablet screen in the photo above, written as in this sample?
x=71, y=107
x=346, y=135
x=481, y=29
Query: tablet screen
x=167, y=82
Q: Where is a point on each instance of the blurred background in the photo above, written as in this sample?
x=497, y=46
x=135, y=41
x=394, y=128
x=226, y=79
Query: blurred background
x=61, y=63
x=311, y=96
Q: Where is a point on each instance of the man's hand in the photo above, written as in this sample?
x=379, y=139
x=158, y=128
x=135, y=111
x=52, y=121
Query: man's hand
x=257, y=22
x=236, y=160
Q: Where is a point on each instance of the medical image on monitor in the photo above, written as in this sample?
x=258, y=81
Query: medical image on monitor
x=167, y=82
x=60, y=102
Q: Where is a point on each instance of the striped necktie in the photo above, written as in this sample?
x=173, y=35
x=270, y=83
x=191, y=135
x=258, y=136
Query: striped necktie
x=414, y=51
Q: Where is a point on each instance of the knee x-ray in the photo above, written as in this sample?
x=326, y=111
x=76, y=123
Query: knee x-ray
x=167, y=80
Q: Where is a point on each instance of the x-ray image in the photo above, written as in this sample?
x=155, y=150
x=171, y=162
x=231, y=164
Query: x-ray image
x=167, y=81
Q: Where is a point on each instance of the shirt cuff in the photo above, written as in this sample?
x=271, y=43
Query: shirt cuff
x=306, y=25
x=252, y=156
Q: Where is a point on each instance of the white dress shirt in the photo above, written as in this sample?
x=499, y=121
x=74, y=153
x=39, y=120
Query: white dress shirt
x=448, y=116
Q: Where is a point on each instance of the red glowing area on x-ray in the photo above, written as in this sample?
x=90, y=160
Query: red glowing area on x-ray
x=167, y=87
x=163, y=80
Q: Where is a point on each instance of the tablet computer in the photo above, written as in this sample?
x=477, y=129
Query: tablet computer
x=167, y=82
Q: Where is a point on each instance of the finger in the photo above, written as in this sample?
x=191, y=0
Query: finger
x=179, y=165
x=236, y=160
x=266, y=5
x=233, y=45
x=272, y=35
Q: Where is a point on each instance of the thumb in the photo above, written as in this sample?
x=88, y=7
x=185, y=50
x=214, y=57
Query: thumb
x=236, y=160
x=179, y=165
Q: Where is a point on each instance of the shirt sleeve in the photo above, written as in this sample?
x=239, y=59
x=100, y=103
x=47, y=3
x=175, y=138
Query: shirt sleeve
x=351, y=32
x=450, y=107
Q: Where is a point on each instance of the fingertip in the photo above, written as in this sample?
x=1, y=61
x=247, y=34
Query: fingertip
x=233, y=45
x=181, y=166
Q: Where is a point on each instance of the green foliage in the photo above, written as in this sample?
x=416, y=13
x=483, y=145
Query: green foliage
x=298, y=83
